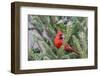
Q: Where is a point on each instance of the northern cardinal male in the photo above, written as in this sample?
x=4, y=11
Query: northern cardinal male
x=58, y=40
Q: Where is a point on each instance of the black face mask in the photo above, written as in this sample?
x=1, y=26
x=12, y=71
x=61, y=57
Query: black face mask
x=61, y=37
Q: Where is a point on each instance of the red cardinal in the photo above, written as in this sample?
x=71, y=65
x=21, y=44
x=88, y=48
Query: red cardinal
x=58, y=40
x=68, y=48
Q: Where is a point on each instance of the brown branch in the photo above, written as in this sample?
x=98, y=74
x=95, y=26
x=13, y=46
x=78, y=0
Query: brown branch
x=32, y=28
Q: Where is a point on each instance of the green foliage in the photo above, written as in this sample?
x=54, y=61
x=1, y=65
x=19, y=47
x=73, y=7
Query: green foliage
x=75, y=34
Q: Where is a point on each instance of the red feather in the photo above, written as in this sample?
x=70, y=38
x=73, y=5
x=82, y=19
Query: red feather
x=58, y=40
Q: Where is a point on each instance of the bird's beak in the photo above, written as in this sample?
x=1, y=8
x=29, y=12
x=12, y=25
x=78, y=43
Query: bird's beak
x=63, y=36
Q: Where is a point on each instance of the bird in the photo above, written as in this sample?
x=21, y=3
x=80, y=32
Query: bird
x=59, y=39
x=68, y=48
